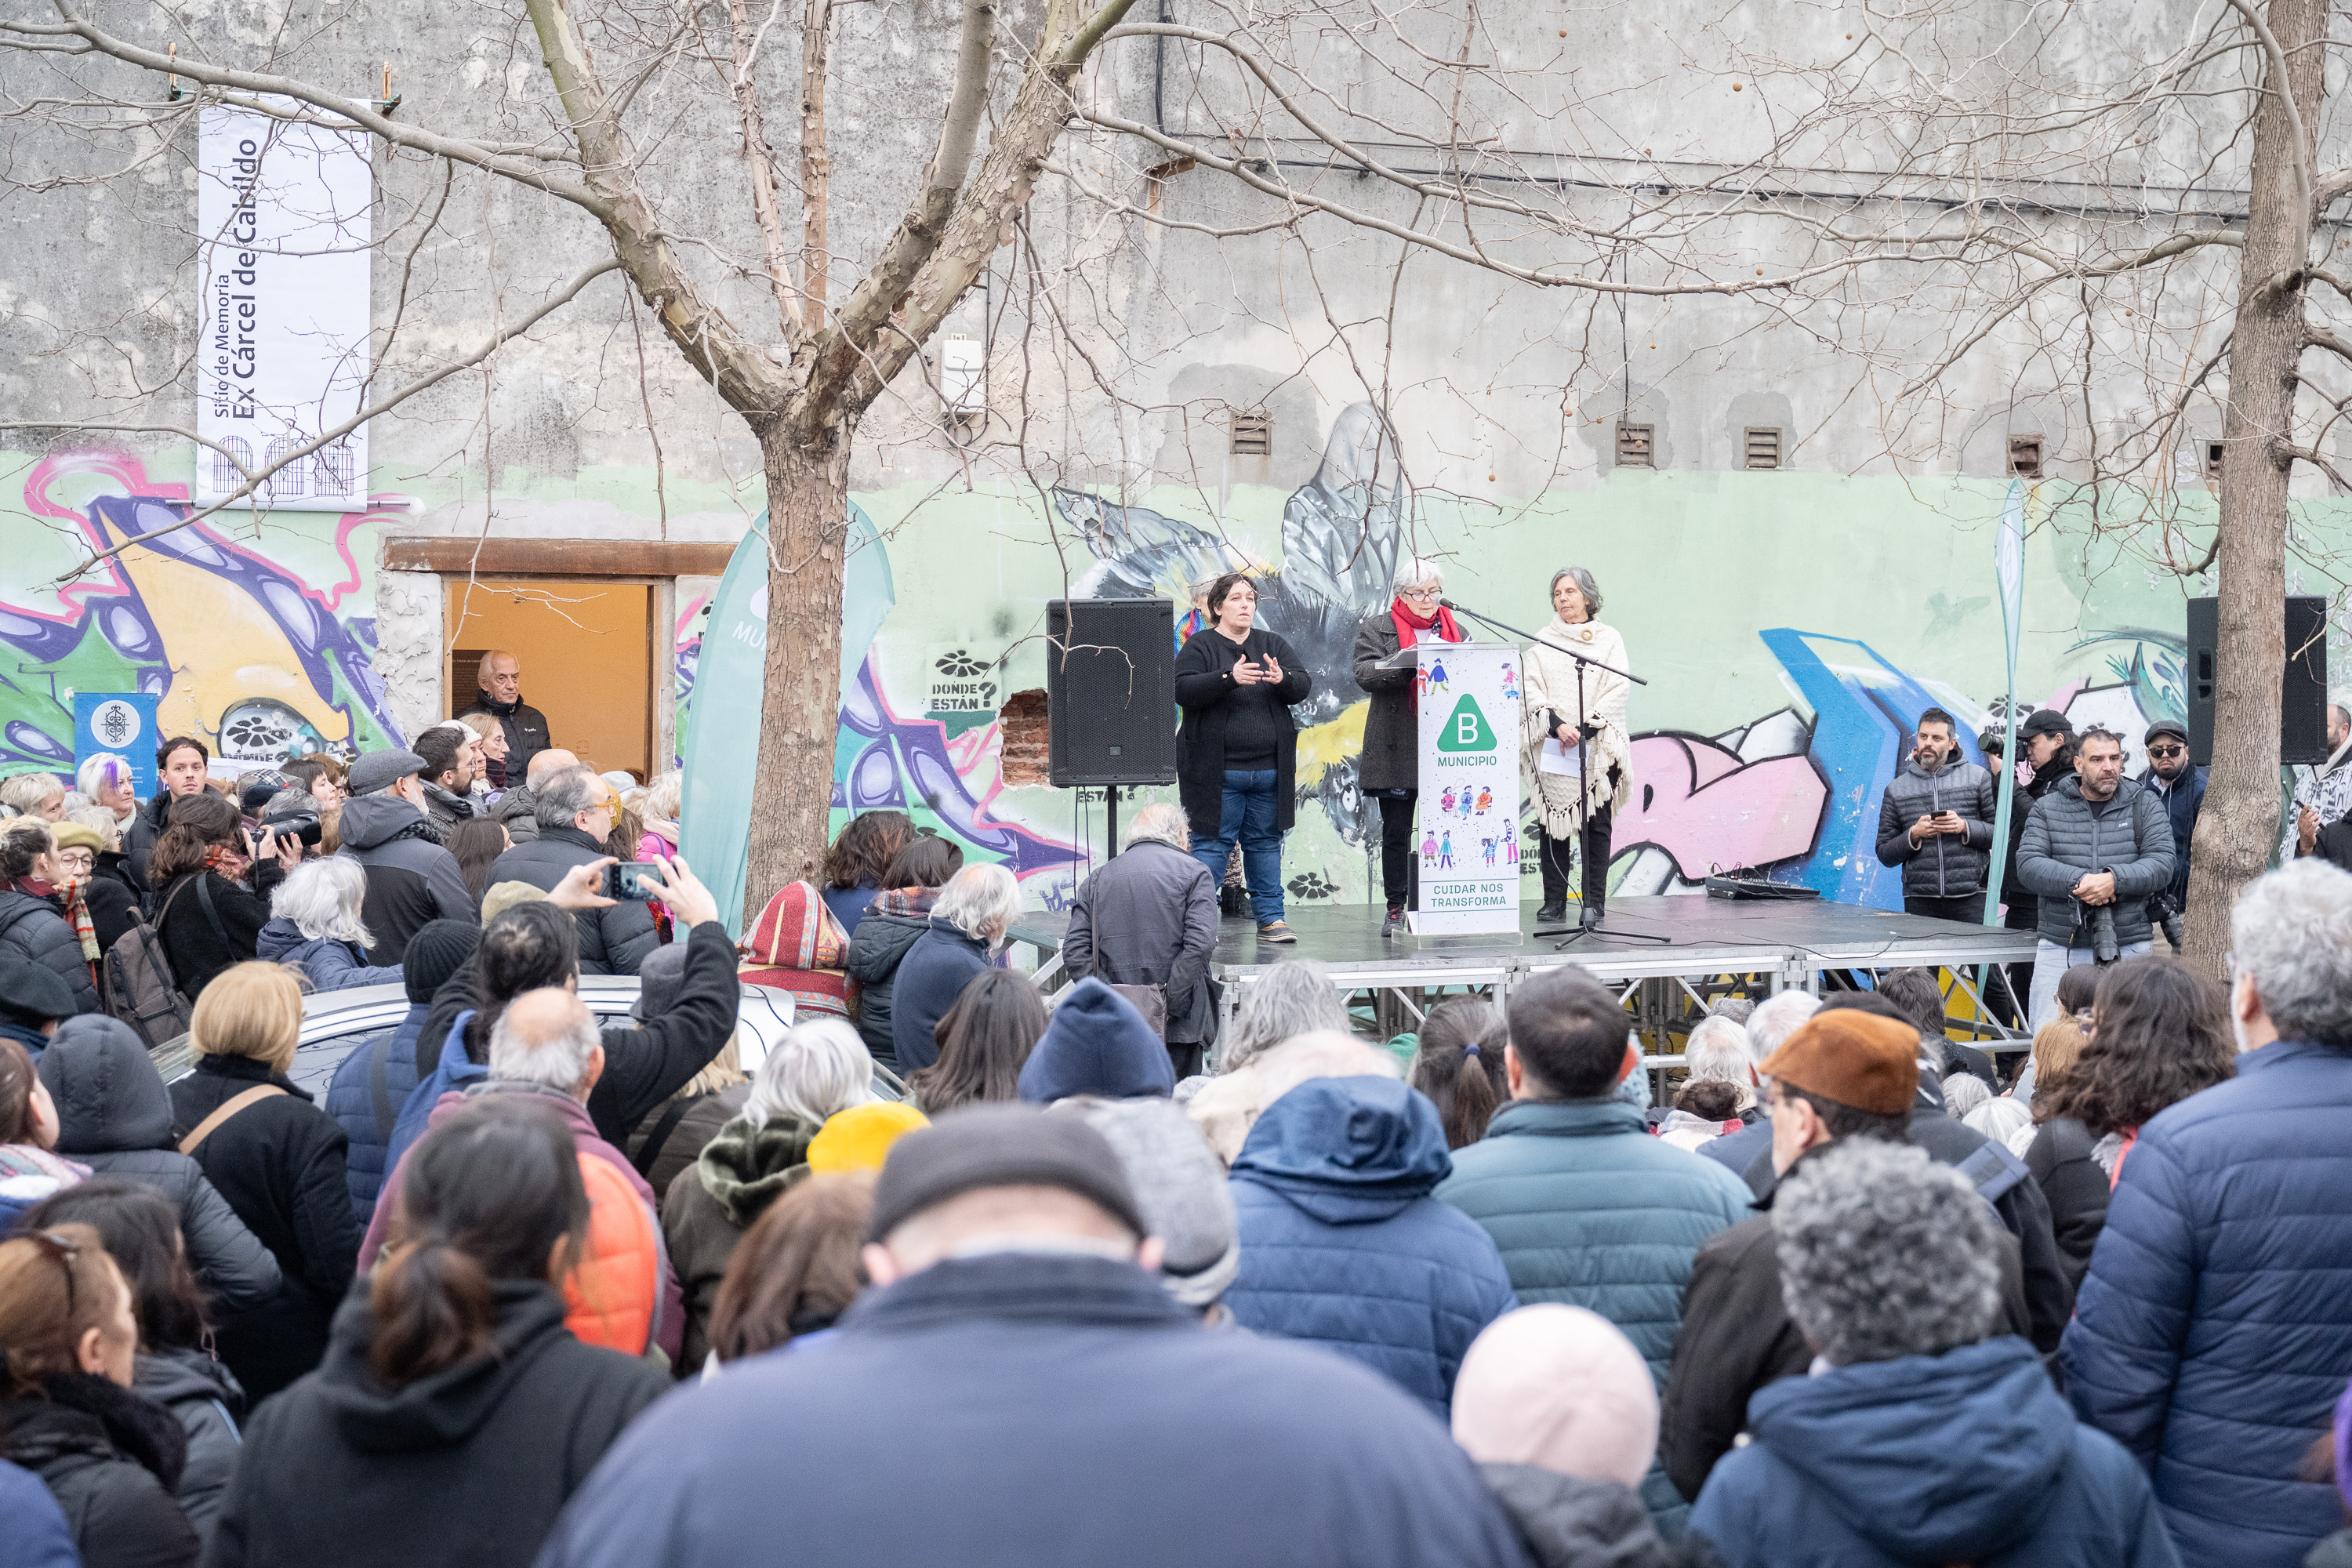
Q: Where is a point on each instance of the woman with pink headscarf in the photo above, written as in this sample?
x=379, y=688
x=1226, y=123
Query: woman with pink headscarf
x=1561, y=1414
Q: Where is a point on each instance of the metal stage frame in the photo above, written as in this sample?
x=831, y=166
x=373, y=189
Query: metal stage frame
x=1713, y=948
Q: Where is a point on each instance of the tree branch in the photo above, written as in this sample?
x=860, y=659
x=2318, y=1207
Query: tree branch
x=761, y=161
x=2284, y=86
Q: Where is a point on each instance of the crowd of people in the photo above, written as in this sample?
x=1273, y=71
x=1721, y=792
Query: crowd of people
x=956, y=1270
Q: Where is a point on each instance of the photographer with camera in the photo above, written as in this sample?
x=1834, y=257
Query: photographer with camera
x=2096, y=850
x=2180, y=784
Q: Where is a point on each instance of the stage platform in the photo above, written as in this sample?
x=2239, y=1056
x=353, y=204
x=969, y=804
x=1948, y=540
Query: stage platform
x=1701, y=949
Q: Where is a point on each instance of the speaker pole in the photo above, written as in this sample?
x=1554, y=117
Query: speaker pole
x=1110, y=836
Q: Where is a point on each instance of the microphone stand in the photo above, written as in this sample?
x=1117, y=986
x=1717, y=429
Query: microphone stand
x=1582, y=755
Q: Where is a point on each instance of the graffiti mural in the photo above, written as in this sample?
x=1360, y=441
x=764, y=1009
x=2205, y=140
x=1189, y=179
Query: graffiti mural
x=243, y=650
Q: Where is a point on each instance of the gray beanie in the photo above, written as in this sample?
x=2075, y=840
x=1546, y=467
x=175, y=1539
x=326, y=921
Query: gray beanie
x=660, y=977
x=1179, y=1186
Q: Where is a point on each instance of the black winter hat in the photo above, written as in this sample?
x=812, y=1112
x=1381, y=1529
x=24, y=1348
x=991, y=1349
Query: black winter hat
x=30, y=995
x=1000, y=1146
x=436, y=952
x=2045, y=722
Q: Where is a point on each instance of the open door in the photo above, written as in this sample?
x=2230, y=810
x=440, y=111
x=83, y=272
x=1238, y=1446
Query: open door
x=588, y=656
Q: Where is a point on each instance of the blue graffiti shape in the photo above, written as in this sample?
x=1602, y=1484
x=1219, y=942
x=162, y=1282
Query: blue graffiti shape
x=1864, y=712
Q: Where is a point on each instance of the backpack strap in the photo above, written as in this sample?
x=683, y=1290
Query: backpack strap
x=211, y=1124
x=1993, y=1170
x=205, y=898
x=671, y=1116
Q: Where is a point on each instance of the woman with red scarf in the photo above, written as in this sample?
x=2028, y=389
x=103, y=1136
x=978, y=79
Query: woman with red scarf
x=1388, y=769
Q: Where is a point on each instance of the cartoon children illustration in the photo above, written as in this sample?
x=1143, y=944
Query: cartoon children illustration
x=1510, y=845
x=1445, y=851
x=1445, y=801
x=1434, y=676
x=1486, y=799
x=1486, y=848
x=1428, y=849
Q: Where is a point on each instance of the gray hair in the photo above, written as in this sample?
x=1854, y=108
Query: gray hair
x=101, y=821
x=1964, y=1092
x=2000, y=1118
x=1775, y=1019
x=557, y=1060
x=1295, y=997
x=979, y=901
x=95, y=772
x=1585, y=584
x=1415, y=570
x=30, y=791
x=563, y=796
x=322, y=898
x=1717, y=1052
x=1164, y=823
x=1884, y=1253
x=662, y=798
x=2291, y=932
x=816, y=1069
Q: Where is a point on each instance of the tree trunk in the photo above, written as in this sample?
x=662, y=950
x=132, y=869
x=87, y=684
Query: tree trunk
x=2239, y=823
x=792, y=799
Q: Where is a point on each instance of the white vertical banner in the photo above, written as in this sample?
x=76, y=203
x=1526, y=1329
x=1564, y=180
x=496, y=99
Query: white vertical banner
x=1466, y=822
x=284, y=217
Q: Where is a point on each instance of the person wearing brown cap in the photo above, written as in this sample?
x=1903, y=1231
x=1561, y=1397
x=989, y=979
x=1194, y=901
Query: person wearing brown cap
x=1019, y=1389
x=1844, y=1074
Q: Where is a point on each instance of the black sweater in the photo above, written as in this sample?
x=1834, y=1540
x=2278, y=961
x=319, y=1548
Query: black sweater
x=1224, y=720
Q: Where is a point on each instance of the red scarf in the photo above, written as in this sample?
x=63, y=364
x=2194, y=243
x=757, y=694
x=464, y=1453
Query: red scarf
x=1409, y=624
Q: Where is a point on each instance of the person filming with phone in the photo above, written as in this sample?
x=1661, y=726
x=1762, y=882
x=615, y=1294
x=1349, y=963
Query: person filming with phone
x=575, y=810
x=1935, y=822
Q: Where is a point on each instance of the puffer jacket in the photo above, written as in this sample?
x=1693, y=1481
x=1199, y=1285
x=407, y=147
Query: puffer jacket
x=204, y=1397
x=1578, y=1521
x=2214, y=1332
x=112, y=1459
x=39, y=1535
x=612, y=941
x=1942, y=867
x=1341, y=1244
x=370, y=1085
x=2075, y=1187
x=2067, y=837
x=624, y=1276
x=707, y=1208
x=115, y=1116
x=329, y=963
x=1588, y=1209
x=518, y=812
x=1966, y=1456
x=35, y=932
x=876, y=949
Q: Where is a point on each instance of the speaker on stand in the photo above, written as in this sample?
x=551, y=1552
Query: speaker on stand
x=1110, y=695
x=2303, y=690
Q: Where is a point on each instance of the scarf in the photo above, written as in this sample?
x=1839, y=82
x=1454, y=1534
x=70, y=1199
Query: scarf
x=796, y=930
x=72, y=896
x=227, y=862
x=1409, y=624
x=915, y=903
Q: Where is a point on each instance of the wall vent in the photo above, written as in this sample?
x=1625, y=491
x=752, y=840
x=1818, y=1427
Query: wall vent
x=1253, y=434
x=2025, y=456
x=1762, y=447
x=1636, y=448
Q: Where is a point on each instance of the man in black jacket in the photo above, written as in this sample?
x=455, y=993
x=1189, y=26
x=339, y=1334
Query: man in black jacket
x=577, y=811
x=1148, y=917
x=500, y=678
x=410, y=880
x=643, y=1065
x=1849, y=1072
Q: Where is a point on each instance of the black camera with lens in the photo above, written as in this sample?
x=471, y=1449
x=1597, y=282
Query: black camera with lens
x=299, y=822
x=2101, y=919
x=2167, y=915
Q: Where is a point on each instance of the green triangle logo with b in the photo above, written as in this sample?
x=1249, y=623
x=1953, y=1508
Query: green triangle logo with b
x=1466, y=729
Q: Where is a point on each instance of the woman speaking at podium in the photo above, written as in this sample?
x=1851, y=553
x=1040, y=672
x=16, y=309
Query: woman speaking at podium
x=1576, y=808
x=1388, y=769
x=1237, y=753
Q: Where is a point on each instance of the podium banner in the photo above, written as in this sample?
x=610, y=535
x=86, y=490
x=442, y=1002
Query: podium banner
x=1466, y=822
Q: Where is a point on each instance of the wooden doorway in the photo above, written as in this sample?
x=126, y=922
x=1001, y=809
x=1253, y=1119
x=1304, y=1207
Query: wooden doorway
x=592, y=651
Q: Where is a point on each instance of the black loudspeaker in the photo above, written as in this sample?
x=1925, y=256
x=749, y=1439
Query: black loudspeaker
x=2303, y=693
x=1110, y=691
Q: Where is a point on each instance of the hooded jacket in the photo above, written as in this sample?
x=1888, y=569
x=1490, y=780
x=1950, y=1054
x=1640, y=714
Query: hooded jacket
x=206, y=1400
x=625, y=1276
x=39, y=1535
x=110, y=1458
x=517, y=811
x=1966, y=1456
x=875, y=950
x=410, y=880
x=39, y=935
x=1942, y=867
x=1579, y=1522
x=115, y=1116
x=1342, y=1244
x=708, y=1206
x=447, y=810
x=279, y=1163
x=329, y=962
x=2068, y=837
x=468, y=1465
x=1141, y=1440
x=612, y=941
x=2214, y=1332
x=1148, y=917
x=370, y=1085
x=1096, y=1043
x=937, y=968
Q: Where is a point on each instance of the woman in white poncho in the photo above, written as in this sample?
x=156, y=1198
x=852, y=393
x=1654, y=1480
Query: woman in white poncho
x=1576, y=813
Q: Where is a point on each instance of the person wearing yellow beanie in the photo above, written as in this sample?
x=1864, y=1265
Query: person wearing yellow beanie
x=859, y=1138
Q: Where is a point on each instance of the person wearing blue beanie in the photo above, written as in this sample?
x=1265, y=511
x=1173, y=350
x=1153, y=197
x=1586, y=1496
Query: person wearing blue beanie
x=1096, y=1043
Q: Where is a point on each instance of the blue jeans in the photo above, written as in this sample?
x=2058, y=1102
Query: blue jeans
x=1248, y=814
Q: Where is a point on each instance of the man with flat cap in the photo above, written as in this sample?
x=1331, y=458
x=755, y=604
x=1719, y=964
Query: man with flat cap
x=1844, y=1074
x=410, y=880
x=1019, y=1389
